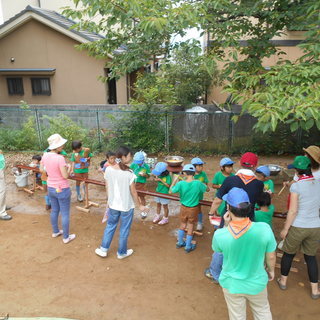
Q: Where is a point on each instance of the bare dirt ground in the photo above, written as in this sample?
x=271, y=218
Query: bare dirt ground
x=41, y=276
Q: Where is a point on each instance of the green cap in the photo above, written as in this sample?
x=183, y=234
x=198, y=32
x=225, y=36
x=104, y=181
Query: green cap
x=300, y=162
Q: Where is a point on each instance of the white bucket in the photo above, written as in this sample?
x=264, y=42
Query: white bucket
x=22, y=179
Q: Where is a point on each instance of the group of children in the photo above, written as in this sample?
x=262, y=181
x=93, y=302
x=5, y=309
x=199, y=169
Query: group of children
x=191, y=186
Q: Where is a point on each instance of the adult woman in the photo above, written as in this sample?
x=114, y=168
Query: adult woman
x=302, y=227
x=121, y=192
x=313, y=153
x=58, y=186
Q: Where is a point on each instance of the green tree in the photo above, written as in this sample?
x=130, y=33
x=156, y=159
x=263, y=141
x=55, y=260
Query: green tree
x=144, y=29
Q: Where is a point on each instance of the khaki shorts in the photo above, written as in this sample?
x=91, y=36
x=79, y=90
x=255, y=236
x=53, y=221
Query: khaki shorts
x=304, y=239
x=189, y=214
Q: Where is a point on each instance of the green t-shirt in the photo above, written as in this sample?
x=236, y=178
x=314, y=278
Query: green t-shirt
x=268, y=186
x=137, y=169
x=263, y=216
x=243, y=270
x=190, y=192
x=73, y=159
x=161, y=188
x=202, y=176
x=2, y=162
x=219, y=178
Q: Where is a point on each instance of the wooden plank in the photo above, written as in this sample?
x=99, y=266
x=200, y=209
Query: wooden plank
x=83, y=209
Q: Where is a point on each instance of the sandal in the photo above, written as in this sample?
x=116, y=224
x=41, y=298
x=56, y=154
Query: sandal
x=163, y=221
x=281, y=286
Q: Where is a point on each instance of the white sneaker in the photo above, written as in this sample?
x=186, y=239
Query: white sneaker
x=143, y=214
x=54, y=235
x=122, y=256
x=199, y=226
x=69, y=239
x=79, y=198
x=101, y=253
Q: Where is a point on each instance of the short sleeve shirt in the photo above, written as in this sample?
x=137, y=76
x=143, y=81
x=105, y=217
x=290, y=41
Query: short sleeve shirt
x=243, y=270
x=140, y=169
x=2, y=162
x=73, y=159
x=53, y=162
x=161, y=188
x=265, y=216
x=190, y=192
x=268, y=186
x=202, y=177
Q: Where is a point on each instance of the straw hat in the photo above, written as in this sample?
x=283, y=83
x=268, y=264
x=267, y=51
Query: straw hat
x=314, y=152
x=55, y=141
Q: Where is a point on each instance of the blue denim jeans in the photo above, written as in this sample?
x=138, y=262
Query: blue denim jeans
x=125, y=218
x=60, y=203
x=216, y=265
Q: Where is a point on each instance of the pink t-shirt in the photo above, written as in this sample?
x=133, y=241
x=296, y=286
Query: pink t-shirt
x=52, y=162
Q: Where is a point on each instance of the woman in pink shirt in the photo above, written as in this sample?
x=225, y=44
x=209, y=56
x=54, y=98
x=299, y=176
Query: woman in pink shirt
x=58, y=186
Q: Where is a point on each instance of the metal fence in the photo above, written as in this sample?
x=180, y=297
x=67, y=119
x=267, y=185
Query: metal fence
x=159, y=129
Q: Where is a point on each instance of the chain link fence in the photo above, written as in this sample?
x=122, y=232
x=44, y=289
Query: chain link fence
x=158, y=129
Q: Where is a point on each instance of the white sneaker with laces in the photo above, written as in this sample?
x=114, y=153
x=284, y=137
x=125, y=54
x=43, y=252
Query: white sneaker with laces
x=101, y=253
x=122, y=256
x=199, y=226
x=69, y=239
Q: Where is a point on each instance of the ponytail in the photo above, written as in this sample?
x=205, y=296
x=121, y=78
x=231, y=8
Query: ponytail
x=122, y=152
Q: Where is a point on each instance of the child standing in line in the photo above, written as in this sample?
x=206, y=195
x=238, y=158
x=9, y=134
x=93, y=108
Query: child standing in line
x=263, y=174
x=190, y=191
x=265, y=210
x=202, y=177
x=110, y=161
x=164, y=180
x=226, y=168
x=142, y=172
x=35, y=163
x=80, y=159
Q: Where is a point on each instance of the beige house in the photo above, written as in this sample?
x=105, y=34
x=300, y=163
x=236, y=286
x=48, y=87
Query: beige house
x=287, y=43
x=40, y=64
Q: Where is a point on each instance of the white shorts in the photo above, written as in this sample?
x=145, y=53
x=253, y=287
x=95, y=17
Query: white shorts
x=161, y=200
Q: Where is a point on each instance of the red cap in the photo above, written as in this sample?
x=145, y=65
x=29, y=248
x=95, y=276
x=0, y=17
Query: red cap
x=249, y=160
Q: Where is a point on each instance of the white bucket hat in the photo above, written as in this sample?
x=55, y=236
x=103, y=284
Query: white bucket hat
x=55, y=141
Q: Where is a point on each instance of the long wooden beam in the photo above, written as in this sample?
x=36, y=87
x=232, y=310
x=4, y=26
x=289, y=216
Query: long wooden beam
x=147, y=193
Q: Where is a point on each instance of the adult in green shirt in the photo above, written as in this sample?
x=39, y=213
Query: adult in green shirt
x=226, y=168
x=246, y=247
x=190, y=191
x=3, y=213
x=142, y=172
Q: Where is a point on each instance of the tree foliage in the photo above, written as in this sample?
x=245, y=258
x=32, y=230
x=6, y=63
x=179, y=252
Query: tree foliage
x=144, y=29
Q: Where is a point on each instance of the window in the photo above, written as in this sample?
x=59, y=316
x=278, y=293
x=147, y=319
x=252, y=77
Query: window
x=41, y=86
x=15, y=86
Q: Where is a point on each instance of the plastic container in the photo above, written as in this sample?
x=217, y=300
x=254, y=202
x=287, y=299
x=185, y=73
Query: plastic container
x=22, y=179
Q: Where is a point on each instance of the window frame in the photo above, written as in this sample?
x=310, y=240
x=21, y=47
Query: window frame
x=21, y=92
x=34, y=93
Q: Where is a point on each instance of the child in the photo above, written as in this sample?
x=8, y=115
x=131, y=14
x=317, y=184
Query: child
x=80, y=165
x=164, y=181
x=263, y=174
x=35, y=163
x=190, y=191
x=110, y=161
x=226, y=168
x=265, y=209
x=142, y=172
x=201, y=176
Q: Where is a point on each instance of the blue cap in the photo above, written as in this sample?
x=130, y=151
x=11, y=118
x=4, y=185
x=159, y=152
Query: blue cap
x=264, y=170
x=236, y=196
x=226, y=162
x=189, y=167
x=197, y=161
x=138, y=157
x=159, y=168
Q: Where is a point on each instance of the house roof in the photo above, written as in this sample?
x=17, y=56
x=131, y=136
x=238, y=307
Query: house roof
x=50, y=18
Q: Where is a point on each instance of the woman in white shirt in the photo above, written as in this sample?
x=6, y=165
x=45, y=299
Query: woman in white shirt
x=313, y=153
x=121, y=195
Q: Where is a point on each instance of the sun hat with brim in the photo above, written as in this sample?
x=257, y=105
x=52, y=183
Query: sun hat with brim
x=249, y=160
x=189, y=167
x=159, y=168
x=138, y=157
x=236, y=196
x=226, y=162
x=55, y=141
x=264, y=170
x=313, y=152
x=300, y=162
x=197, y=161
